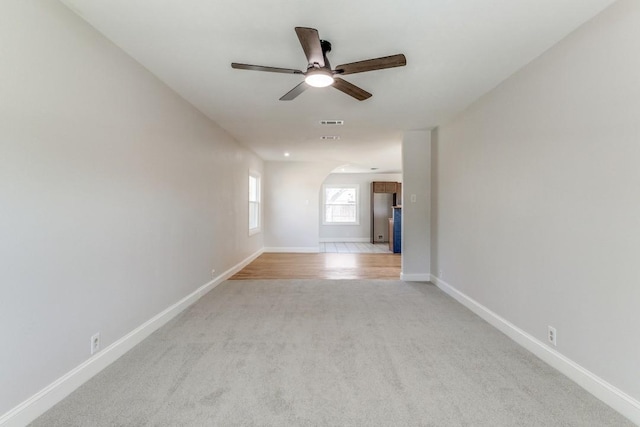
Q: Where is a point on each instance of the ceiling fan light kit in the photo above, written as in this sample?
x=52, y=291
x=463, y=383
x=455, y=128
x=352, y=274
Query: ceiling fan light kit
x=319, y=78
x=319, y=72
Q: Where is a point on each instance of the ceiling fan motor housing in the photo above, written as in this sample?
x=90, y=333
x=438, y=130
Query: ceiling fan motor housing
x=326, y=48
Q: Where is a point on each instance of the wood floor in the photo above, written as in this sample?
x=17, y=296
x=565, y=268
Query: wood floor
x=322, y=266
x=355, y=248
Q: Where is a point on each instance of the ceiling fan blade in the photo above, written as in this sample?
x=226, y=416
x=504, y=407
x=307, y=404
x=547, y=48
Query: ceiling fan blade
x=372, y=64
x=263, y=68
x=294, y=92
x=351, y=89
x=310, y=41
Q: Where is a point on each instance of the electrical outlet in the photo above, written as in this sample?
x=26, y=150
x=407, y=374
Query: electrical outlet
x=379, y=236
x=95, y=343
x=413, y=198
x=441, y=274
x=213, y=271
x=552, y=336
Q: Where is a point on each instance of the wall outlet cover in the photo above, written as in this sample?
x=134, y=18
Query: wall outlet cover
x=552, y=336
x=95, y=343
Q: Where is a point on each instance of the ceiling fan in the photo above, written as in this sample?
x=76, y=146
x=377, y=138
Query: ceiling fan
x=319, y=72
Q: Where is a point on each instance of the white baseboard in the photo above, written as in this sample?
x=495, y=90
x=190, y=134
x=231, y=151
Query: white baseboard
x=609, y=394
x=424, y=277
x=345, y=240
x=46, y=398
x=301, y=249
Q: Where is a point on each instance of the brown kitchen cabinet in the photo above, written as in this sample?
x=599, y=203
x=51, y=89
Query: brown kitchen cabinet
x=385, y=186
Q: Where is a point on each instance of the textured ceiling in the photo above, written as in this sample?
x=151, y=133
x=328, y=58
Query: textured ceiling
x=456, y=51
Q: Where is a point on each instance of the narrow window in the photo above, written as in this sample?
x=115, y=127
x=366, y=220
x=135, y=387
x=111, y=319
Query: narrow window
x=340, y=204
x=254, y=202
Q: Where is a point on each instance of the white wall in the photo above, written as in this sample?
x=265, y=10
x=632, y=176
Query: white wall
x=343, y=233
x=117, y=197
x=291, y=205
x=416, y=206
x=538, y=198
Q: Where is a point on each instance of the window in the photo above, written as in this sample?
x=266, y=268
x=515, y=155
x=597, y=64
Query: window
x=341, y=204
x=254, y=202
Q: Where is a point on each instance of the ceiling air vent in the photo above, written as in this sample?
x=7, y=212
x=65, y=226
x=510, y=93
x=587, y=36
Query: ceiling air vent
x=329, y=137
x=332, y=122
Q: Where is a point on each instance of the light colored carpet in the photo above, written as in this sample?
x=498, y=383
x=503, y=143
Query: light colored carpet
x=329, y=353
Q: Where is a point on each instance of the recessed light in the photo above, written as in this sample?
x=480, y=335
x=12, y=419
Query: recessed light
x=287, y=154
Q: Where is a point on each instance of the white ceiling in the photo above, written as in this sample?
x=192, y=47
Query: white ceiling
x=456, y=51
